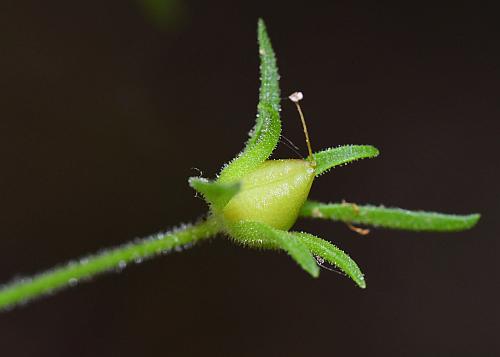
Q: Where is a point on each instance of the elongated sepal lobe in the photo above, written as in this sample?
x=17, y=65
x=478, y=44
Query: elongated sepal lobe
x=329, y=158
x=333, y=255
x=261, y=235
x=267, y=129
x=216, y=194
x=393, y=218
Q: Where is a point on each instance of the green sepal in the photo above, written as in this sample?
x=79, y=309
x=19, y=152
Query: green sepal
x=265, y=135
x=393, y=218
x=333, y=255
x=261, y=235
x=329, y=158
x=216, y=194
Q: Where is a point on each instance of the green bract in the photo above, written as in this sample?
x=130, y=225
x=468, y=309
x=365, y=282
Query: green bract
x=254, y=201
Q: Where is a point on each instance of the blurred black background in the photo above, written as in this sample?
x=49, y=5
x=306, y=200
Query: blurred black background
x=107, y=106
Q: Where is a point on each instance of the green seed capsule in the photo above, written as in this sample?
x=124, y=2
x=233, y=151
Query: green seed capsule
x=272, y=194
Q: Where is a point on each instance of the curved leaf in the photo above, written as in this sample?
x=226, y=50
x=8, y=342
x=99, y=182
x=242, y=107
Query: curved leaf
x=333, y=255
x=267, y=130
x=261, y=235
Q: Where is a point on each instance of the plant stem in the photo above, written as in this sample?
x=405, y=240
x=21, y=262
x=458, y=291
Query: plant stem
x=22, y=290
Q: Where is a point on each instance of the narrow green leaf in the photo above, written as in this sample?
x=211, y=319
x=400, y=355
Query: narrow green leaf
x=116, y=259
x=261, y=235
x=266, y=133
x=269, y=92
x=395, y=218
x=218, y=194
x=333, y=255
x=329, y=158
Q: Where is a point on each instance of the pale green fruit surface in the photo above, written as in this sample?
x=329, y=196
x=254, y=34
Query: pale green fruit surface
x=272, y=194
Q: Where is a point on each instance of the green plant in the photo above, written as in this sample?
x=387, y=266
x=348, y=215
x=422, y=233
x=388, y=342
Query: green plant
x=255, y=201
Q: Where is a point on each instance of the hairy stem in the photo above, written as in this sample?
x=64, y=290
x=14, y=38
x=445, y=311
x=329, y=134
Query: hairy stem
x=22, y=290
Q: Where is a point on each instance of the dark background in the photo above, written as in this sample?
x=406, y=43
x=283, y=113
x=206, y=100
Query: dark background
x=107, y=106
